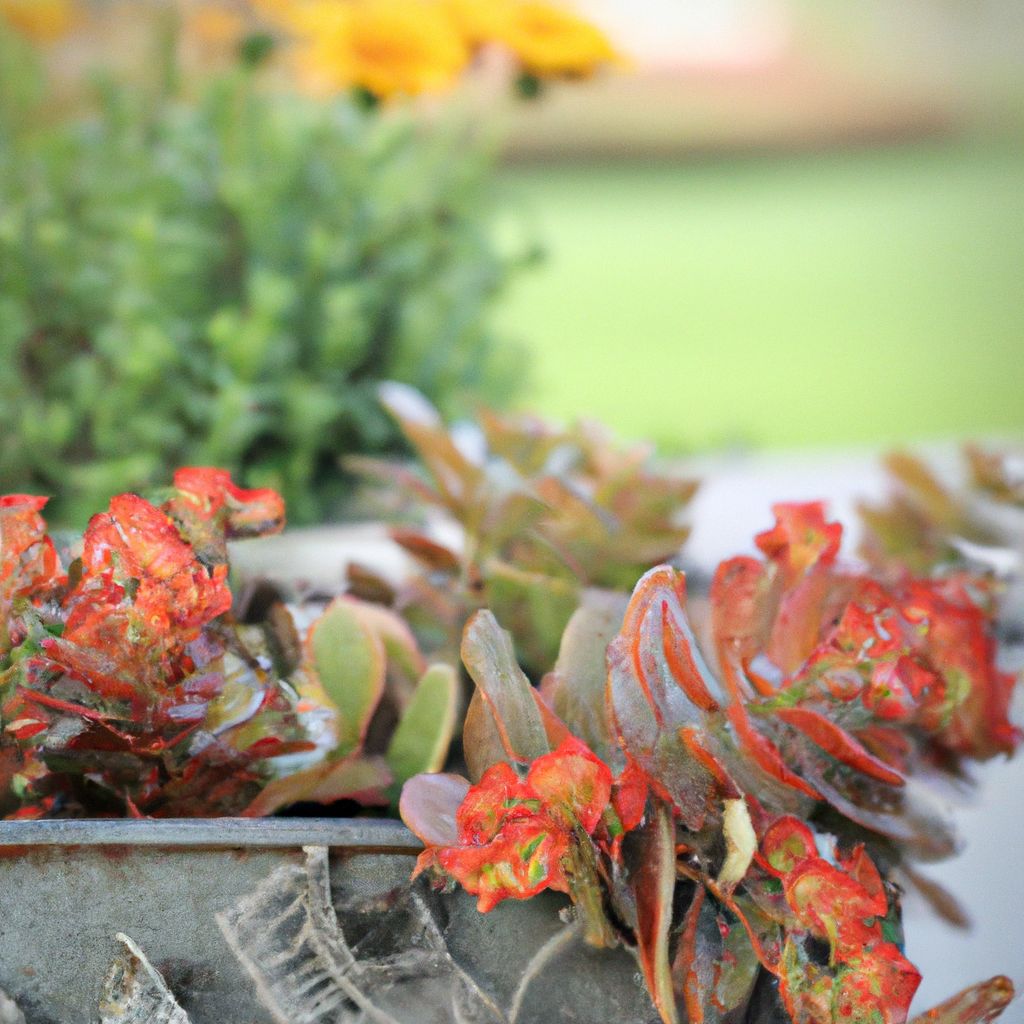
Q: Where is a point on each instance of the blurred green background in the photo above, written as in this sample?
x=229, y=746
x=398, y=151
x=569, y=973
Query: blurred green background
x=794, y=222
x=852, y=296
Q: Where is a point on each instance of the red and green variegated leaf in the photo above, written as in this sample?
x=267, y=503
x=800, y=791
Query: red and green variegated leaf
x=575, y=785
x=786, y=845
x=980, y=1004
x=954, y=634
x=489, y=658
x=134, y=540
x=830, y=904
x=429, y=806
x=801, y=538
x=508, y=845
x=499, y=796
x=803, y=546
x=208, y=505
x=859, y=866
x=348, y=660
x=653, y=880
x=805, y=987
x=28, y=560
x=527, y=857
x=876, y=985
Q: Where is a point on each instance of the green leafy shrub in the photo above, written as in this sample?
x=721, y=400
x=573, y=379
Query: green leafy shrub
x=224, y=280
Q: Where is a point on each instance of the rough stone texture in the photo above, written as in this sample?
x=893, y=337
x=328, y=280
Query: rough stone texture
x=282, y=935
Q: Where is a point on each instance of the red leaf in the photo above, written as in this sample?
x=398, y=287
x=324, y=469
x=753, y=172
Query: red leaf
x=801, y=538
x=838, y=743
x=653, y=882
x=574, y=784
x=786, y=845
x=210, y=494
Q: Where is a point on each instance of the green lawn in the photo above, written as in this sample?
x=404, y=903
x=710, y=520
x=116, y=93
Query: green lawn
x=832, y=298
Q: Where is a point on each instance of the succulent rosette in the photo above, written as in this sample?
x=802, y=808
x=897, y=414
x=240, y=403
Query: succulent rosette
x=737, y=796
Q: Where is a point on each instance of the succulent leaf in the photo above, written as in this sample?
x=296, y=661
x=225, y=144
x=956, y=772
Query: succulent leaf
x=653, y=881
x=420, y=741
x=489, y=658
x=349, y=662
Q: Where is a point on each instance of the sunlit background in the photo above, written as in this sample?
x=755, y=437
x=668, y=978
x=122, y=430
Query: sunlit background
x=789, y=223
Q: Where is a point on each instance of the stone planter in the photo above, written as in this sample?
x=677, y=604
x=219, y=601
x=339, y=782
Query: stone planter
x=300, y=921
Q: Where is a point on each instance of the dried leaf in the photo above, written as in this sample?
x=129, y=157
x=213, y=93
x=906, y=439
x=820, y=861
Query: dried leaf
x=979, y=1004
x=135, y=993
x=740, y=843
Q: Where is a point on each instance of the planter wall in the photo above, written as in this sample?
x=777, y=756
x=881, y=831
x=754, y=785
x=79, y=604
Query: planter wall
x=261, y=922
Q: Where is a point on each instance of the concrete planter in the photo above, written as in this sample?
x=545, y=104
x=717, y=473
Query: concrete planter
x=300, y=921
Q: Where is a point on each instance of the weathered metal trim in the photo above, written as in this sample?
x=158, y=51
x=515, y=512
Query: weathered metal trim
x=232, y=833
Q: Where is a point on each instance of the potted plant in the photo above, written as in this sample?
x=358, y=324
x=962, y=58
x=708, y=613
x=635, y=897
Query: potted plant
x=719, y=797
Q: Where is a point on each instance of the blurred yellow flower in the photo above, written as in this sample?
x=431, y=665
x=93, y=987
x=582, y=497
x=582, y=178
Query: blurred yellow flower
x=388, y=47
x=479, y=21
x=40, y=20
x=550, y=41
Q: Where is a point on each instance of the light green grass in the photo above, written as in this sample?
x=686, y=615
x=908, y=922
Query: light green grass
x=834, y=298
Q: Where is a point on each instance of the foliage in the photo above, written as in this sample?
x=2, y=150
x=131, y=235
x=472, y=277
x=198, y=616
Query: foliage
x=225, y=279
x=128, y=688
x=926, y=526
x=820, y=702
x=544, y=514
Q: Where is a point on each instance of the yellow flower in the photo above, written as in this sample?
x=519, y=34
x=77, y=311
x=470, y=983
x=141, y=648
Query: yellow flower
x=388, y=47
x=551, y=42
x=479, y=21
x=39, y=20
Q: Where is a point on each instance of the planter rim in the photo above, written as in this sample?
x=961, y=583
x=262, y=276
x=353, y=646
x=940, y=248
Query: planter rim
x=364, y=835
